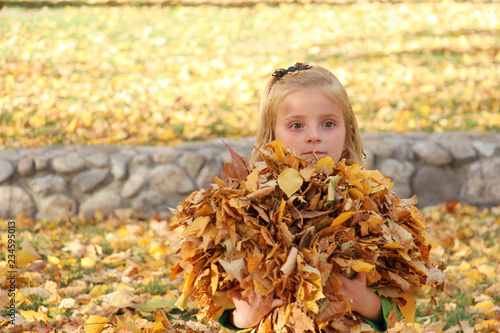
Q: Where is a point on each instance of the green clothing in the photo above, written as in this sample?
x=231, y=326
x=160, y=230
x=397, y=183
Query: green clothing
x=387, y=307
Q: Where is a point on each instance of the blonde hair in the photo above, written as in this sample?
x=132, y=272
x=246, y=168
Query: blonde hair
x=319, y=78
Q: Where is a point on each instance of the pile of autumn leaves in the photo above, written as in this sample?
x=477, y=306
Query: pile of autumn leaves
x=290, y=227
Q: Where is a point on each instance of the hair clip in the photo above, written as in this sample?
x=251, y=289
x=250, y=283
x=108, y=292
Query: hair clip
x=279, y=73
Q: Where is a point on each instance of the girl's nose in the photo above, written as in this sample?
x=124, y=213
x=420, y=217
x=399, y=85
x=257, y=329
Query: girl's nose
x=313, y=136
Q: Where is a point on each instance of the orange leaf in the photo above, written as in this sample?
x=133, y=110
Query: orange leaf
x=342, y=218
x=408, y=310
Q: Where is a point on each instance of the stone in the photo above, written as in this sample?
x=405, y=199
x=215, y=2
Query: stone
x=6, y=170
x=483, y=182
x=46, y=185
x=57, y=207
x=225, y=157
x=68, y=163
x=399, y=172
x=133, y=186
x=142, y=159
x=170, y=179
x=26, y=166
x=432, y=153
x=460, y=149
x=165, y=156
x=434, y=185
x=149, y=203
x=106, y=201
x=382, y=148
x=485, y=149
x=14, y=201
x=192, y=163
x=41, y=163
x=140, y=164
x=206, y=176
x=89, y=180
x=10, y=155
x=119, y=166
x=99, y=160
x=402, y=190
x=404, y=153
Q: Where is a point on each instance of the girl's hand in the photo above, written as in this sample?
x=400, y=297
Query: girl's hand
x=249, y=311
x=362, y=300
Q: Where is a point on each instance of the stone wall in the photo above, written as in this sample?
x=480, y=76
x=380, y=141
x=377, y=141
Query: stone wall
x=60, y=181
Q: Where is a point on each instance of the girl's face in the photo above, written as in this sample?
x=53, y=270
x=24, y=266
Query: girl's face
x=311, y=124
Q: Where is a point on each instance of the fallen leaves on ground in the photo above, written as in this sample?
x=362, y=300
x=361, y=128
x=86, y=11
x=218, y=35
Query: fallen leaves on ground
x=163, y=75
x=133, y=260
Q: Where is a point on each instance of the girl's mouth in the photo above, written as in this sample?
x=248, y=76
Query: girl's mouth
x=317, y=153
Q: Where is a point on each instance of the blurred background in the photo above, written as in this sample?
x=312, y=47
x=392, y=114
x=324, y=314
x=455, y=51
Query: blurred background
x=164, y=72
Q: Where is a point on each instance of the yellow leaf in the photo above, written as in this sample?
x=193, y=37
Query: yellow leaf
x=72, y=125
x=485, y=306
x=99, y=290
x=37, y=121
x=23, y=258
x=54, y=260
x=307, y=172
x=88, y=263
x=487, y=325
x=95, y=324
x=252, y=180
x=214, y=277
x=158, y=326
x=182, y=301
x=408, y=310
x=356, y=194
x=326, y=161
x=156, y=249
x=21, y=299
x=86, y=119
x=279, y=150
x=197, y=227
x=361, y=266
x=29, y=314
x=160, y=316
x=290, y=181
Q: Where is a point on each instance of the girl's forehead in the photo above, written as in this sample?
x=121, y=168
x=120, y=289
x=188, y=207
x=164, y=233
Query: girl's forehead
x=302, y=103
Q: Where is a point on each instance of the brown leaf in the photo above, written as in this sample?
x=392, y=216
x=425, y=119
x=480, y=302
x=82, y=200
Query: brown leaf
x=236, y=169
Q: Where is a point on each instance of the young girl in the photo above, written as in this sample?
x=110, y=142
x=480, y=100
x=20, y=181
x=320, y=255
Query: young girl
x=307, y=108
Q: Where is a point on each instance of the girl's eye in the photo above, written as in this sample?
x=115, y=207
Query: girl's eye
x=296, y=126
x=329, y=124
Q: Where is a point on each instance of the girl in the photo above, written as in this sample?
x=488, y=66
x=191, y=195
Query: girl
x=307, y=108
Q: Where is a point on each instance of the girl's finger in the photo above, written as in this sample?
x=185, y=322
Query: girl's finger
x=235, y=295
x=277, y=302
x=361, y=276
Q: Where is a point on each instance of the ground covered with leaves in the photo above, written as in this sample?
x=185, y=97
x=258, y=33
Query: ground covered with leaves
x=113, y=274
x=165, y=74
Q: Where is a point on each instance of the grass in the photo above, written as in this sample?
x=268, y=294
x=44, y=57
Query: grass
x=166, y=74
